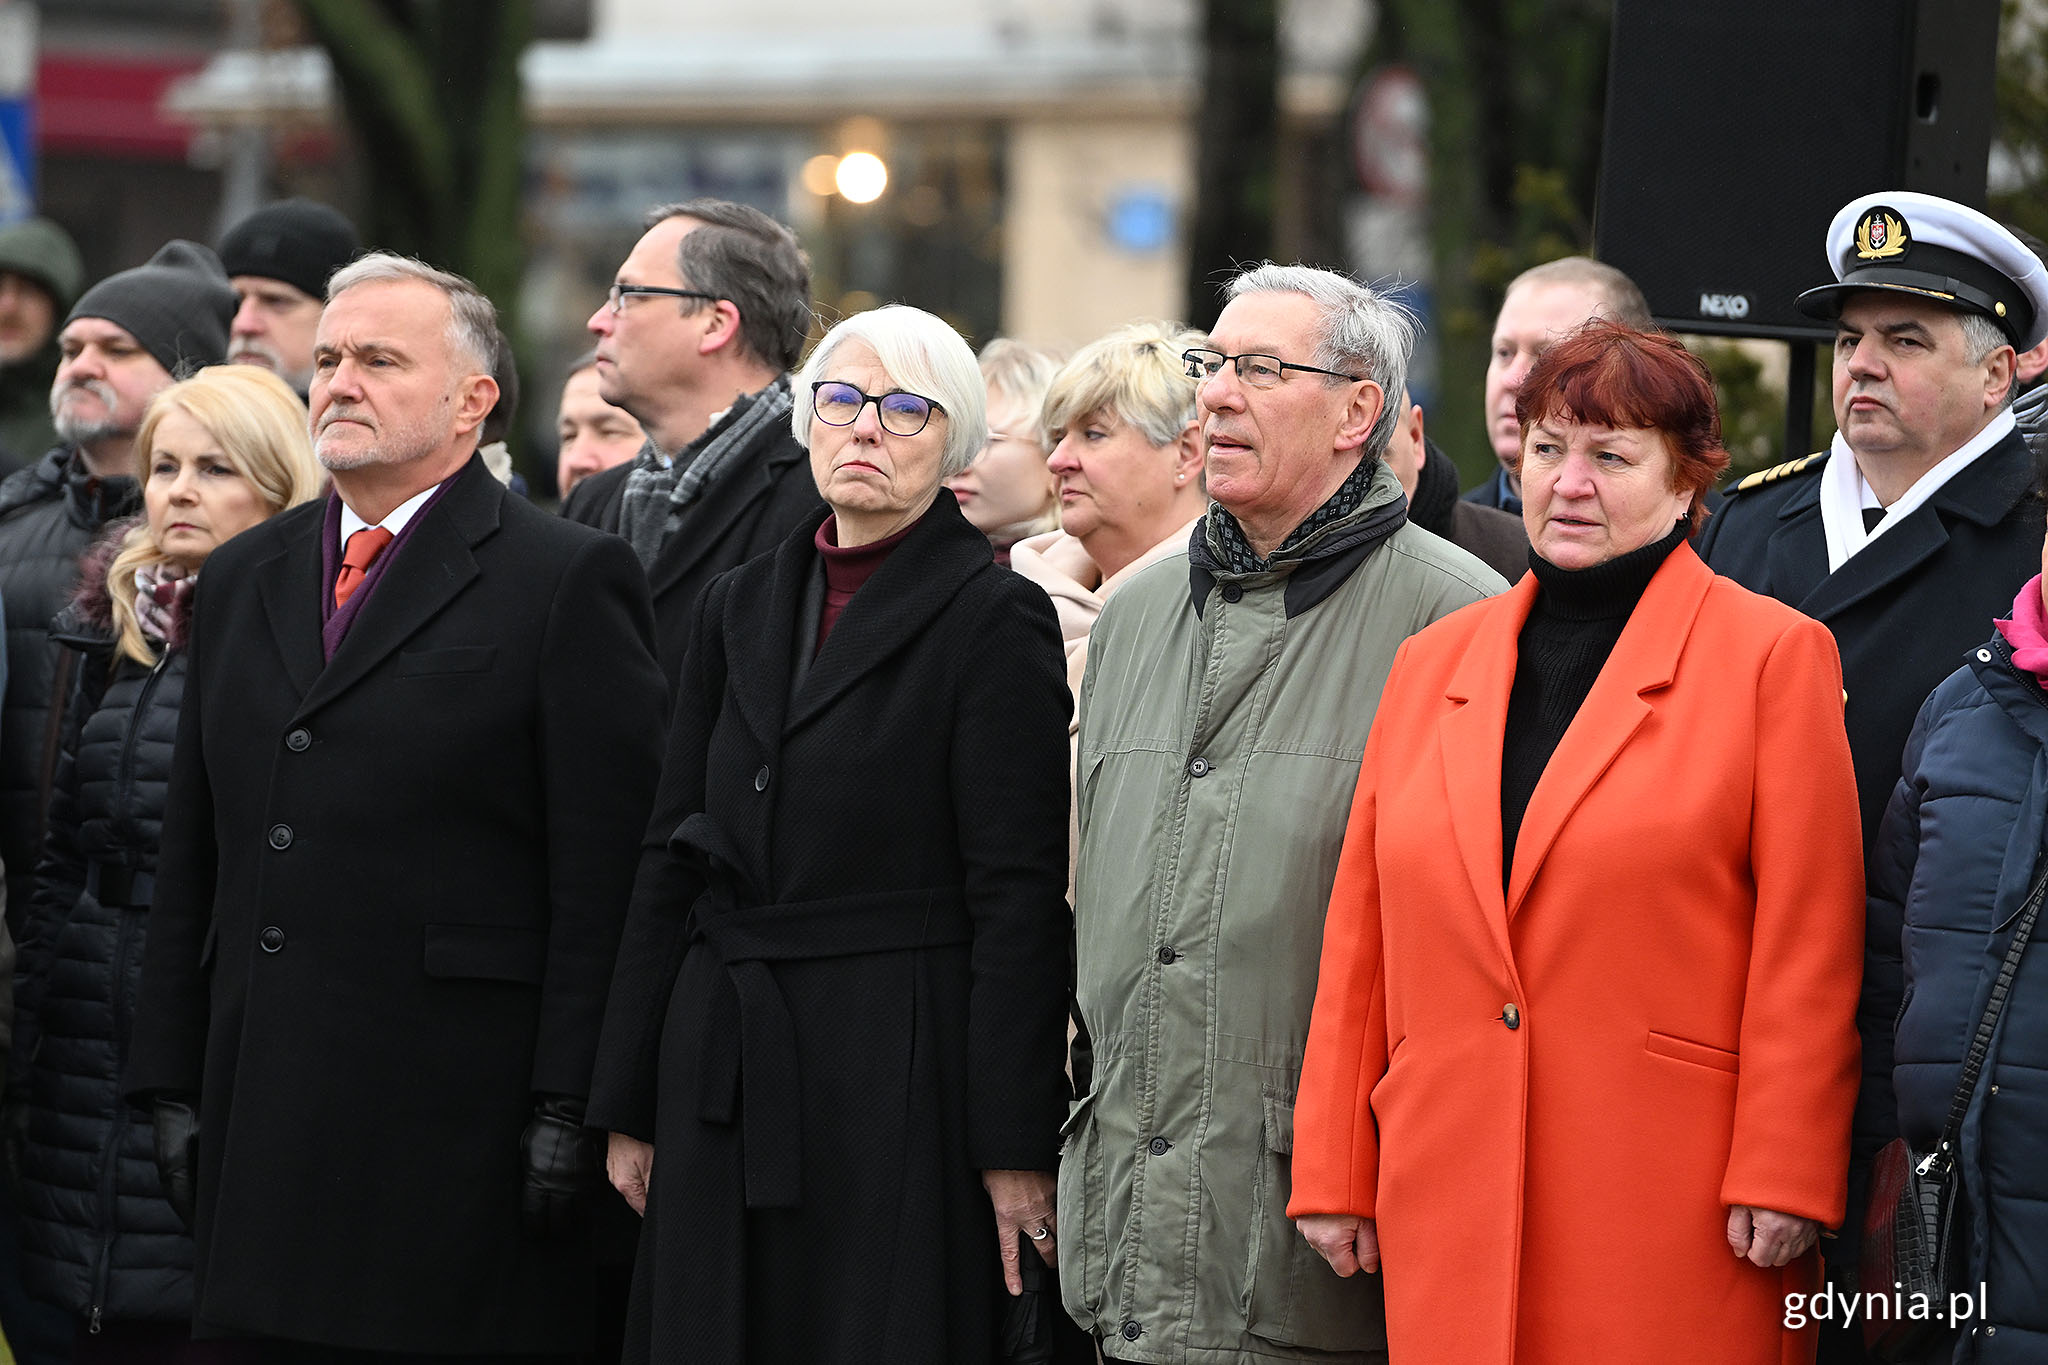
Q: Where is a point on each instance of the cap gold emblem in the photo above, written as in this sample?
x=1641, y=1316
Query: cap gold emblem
x=1881, y=234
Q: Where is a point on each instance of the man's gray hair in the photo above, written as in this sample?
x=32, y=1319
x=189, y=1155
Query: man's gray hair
x=754, y=263
x=1361, y=331
x=925, y=356
x=1982, y=336
x=472, y=320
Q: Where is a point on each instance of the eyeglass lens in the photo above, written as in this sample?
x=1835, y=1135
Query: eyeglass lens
x=902, y=414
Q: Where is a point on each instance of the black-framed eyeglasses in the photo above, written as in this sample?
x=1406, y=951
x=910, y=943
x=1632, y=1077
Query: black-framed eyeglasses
x=1259, y=371
x=619, y=293
x=901, y=414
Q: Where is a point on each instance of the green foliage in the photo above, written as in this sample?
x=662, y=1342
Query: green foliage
x=2022, y=114
x=431, y=94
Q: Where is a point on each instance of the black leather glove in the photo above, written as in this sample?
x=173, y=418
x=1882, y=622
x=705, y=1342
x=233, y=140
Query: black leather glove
x=563, y=1166
x=177, y=1153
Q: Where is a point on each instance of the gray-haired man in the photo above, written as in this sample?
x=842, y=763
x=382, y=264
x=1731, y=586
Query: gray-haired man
x=1222, y=721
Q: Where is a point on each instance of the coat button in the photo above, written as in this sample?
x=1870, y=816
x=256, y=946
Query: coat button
x=1232, y=592
x=761, y=779
x=272, y=939
x=1159, y=1146
x=1198, y=767
x=280, y=836
x=1984, y=656
x=1169, y=956
x=1131, y=1329
x=1511, y=1016
x=298, y=741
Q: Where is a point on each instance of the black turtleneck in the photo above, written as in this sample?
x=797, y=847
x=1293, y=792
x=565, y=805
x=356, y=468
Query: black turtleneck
x=1572, y=628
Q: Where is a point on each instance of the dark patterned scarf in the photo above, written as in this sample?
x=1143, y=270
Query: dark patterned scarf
x=655, y=495
x=1226, y=539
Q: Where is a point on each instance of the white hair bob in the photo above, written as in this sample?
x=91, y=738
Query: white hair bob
x=924, y=355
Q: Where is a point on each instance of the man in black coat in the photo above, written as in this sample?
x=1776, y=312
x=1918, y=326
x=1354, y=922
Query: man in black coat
x=706, y=317
x=420, y=737
x=1918, y=525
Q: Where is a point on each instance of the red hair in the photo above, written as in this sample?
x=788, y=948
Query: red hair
x=1607, y=375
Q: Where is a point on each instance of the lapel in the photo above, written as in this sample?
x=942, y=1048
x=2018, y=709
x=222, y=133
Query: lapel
x=1796, y=556
x=289, y=584
x=1645, y=659
x=1983, y=492
x=760, y=625
x=721, y=509
x=433, y=566
x=892, y=609
x=1470, y=737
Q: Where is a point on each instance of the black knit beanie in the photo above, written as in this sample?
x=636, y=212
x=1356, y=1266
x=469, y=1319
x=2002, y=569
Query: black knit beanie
x=298, y=241
x=178, y=306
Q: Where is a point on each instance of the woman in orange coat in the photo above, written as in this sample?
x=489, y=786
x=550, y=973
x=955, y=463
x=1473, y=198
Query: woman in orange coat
x=1583, y=1052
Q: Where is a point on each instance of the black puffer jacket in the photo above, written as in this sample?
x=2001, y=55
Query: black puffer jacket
x=50, y=513
x=97, y=1236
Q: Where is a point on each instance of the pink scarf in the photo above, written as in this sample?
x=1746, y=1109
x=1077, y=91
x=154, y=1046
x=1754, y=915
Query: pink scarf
x=2027, y=632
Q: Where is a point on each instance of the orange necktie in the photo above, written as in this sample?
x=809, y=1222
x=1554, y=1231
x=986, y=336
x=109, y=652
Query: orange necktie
x=356, y=558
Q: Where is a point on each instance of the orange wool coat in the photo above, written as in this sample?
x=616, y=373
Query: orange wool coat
x=1679, y=947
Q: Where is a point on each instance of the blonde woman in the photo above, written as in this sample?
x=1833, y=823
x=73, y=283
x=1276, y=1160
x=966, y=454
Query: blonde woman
x=215, y=454
x=1007, y=492
x=1127, y=460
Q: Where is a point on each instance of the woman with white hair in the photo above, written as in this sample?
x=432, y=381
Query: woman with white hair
x=1127, y=458
x=836, y=1026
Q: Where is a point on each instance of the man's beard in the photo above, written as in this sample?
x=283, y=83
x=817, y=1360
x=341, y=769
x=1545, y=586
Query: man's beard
x=267, y=356
x=80, y=431
x=393, y=445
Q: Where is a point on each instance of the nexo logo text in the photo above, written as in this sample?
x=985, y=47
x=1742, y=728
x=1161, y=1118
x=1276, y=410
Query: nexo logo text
x=1724, y=305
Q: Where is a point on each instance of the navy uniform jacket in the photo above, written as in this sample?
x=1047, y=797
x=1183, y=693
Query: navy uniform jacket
x=1906, y=608
x=1905, y=611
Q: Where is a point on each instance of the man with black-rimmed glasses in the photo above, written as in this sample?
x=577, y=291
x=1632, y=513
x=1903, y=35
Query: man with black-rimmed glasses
x=696, y=339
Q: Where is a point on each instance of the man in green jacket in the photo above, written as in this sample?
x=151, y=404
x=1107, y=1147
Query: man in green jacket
x=40, y=275
x=1223, y=717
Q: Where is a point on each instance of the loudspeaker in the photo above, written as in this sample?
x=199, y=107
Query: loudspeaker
x=1736, y=128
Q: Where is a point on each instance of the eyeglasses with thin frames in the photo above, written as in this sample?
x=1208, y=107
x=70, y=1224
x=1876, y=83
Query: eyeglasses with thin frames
x=1259, y=371
x=901, y=414
x=619, y=293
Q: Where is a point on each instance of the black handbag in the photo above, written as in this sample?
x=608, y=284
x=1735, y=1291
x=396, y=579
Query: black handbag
x=1912, y=1246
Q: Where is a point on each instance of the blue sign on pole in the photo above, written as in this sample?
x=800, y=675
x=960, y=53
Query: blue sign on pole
x=17, y=157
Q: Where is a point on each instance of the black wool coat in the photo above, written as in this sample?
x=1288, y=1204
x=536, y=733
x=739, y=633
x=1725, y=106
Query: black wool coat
x=1903, y=612
x=745, y=512
x=842, y=990
x=389, y=896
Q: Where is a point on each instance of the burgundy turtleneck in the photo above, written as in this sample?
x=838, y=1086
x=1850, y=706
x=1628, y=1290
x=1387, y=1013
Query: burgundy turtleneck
x=846, y=568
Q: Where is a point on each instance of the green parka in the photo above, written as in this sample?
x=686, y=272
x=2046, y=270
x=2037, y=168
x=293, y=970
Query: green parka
x=1222, y=721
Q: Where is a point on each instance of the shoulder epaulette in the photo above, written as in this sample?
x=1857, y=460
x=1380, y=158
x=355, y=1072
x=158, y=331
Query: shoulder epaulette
x=1779, y=471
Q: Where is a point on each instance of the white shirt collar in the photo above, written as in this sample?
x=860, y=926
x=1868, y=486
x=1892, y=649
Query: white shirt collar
x=400, y=515
x=1844, y=494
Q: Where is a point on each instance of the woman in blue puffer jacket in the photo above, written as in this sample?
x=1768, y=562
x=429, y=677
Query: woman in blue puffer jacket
x=1961, y=845
x=216, y=454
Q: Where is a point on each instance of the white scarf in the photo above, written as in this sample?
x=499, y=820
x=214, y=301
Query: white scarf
x=1844, y=494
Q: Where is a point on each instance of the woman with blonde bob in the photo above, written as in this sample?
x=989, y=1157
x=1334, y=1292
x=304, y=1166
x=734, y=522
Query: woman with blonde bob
x=215, y=454
x=1127, y=456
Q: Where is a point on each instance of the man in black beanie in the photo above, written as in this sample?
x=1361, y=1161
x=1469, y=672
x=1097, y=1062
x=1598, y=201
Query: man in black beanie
x=278, y=259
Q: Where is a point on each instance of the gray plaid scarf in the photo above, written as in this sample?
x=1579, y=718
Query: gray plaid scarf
x=656, y=496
